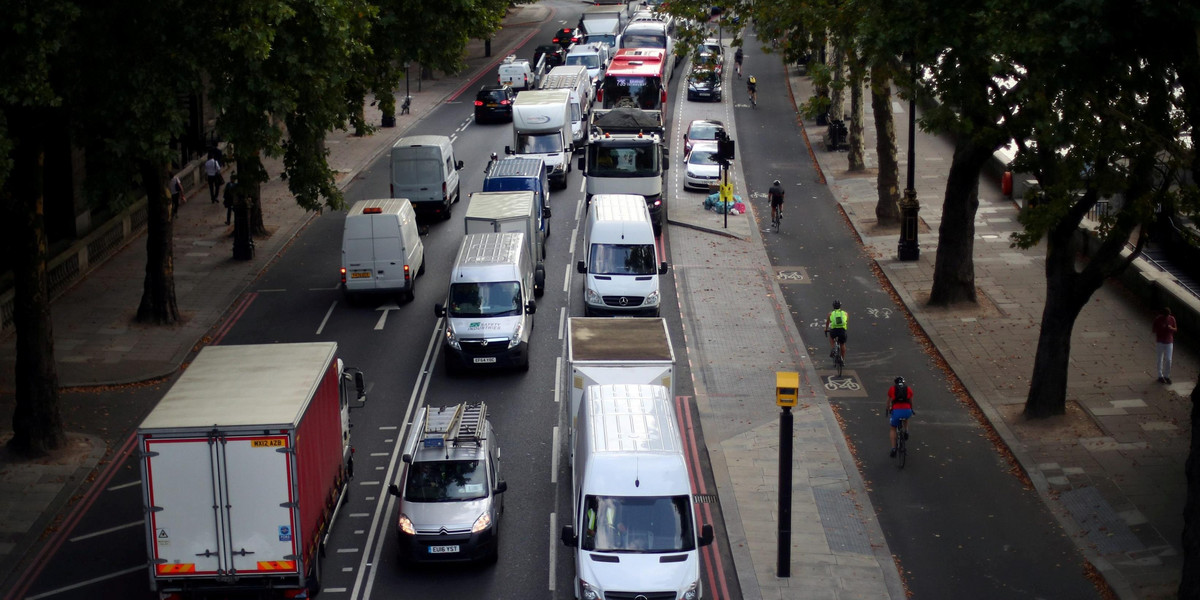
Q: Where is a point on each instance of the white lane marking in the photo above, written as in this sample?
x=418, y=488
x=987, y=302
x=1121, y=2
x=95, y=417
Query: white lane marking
x=567, y=279
x=562, y=321
x=360, y=515
x=347, y=569
x=386, y=308
x=272, y=290
x=574, y=234
x=553, y=548
x=379, y=454
x=368, y=483
x=557, y=379
x=333, y=287
x=359, y=531
x=347, y=550
x=387, y=427
x=76, y=586
x=554, y=460
x=121, y=486
x=579, y=208
x=326, y=319
x=333, y=590
x=104, y=531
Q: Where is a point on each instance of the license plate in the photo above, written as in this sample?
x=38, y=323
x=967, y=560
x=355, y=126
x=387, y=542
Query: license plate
x=361, y=275
x=492, y=105
x=443, y=549
x=485, y=359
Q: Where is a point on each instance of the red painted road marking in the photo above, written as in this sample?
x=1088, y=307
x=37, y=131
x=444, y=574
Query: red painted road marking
x=70, y=522
x=712, y=560
x=238, y=310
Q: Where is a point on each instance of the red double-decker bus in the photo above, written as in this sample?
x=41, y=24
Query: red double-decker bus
x=635, y=79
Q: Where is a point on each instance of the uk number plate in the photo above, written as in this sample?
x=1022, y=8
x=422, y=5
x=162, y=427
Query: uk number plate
x=443, y=549
x=485, y=359
x=360, y=275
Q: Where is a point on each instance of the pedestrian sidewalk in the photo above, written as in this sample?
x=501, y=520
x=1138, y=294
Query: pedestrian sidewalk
x=98, y=343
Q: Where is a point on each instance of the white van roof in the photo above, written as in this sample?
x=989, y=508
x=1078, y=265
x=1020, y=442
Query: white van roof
x=619, y=207
x=500, y=205
x=386, y=206
x=479, y=249
x=422, y=140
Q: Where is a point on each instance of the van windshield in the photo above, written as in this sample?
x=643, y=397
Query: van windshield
x=635, y=91
x=591, y=61
x=622, y=259
x=410, y=169
x=636, y=161
x=644, y=40
x=446, y=481
x=492, y=299
x=535, y=143
x=637, y=524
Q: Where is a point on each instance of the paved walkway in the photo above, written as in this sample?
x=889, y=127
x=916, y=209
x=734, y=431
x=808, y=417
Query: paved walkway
x=1111, y=470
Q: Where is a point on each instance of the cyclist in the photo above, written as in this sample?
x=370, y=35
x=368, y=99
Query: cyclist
x=899, y=408
x=775, y=195
x=835, y=328
x=752, y=89
x=737, y=60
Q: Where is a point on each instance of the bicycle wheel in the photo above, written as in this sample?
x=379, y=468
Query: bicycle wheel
x=838, y=361
x=901, y=446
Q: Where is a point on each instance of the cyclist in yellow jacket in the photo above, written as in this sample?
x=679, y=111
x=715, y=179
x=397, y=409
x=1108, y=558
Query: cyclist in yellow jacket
x=835, y=328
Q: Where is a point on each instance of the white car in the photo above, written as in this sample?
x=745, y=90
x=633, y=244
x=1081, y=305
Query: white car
x=703, y=170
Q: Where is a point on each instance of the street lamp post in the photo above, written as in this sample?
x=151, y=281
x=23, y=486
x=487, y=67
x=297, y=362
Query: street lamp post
x=909, y=206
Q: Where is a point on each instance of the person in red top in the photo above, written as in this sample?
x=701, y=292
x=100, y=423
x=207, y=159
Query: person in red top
x=899, y=408
x=1164, y=338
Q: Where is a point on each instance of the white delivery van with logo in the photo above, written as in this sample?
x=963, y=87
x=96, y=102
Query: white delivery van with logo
x=381, y=248
x=542, y=128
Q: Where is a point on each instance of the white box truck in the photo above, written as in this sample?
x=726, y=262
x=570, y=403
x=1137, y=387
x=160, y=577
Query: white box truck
x=633, y=528
x=542, y=127
x=575, y=79
x=605, y=350
x=499, y=212
x=244, y=464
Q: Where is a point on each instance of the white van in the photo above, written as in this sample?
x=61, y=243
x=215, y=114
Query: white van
x=424, y=170
x=517, y=73
x=621, y=263
x=592, y=56
x=489, y=306
x=633, y=526
x=381, y=248
x=575, y=79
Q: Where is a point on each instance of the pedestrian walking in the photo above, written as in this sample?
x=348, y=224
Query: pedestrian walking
x=177, y=196
x=212, y=169
x=231, y=197
x=1164, y=337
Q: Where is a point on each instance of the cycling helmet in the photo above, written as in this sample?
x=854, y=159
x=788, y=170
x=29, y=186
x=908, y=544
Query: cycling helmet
x=899, y=380
x=837, y=304
x=777, y=182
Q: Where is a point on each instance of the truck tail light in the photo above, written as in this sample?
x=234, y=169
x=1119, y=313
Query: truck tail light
x=343, y=275
x=600, y=96
x=664, y=96
x=407, y=274
x=444, y=196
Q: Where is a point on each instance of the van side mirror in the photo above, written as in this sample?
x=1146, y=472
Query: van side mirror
x=439, y=310
x=706, y=535
x=582, y=163
x=568, y=536
x=458, y=165
x=395, y=491
x=662, y=268
x=501, y=487
x=581, y=267
x=530, y=307
x=508, y=150
x=545, y=212
x=666, y=161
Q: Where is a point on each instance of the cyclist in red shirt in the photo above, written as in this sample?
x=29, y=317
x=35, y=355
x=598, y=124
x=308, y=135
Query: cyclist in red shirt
x=899, y=408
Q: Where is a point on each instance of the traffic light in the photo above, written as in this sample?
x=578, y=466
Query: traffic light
x=725, y=147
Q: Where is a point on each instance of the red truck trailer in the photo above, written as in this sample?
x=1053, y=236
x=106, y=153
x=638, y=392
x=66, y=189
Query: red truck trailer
x=244, y=464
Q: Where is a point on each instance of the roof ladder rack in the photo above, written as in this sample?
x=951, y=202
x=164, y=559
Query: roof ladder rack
x=468, y=424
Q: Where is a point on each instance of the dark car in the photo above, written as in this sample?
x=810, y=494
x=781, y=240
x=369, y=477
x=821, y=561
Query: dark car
x=555, y=55
x=704, y=84
x=567, y=36
x=494, y=103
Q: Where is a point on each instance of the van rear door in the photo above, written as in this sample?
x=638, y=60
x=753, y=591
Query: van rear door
x=358, y=253
x=388, y=250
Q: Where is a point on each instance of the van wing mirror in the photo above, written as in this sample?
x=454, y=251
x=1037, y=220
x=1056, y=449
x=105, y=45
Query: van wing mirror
x=568, y=536
x=501, y=487
x=666, y=161
x=508, y=150
x=439, y=310
x=394, y=490
x=706, y=535
x=662, y=268
x=582, y=163
x=581, y=267
x=545, y=212
x=531, y=307
x=458, y=165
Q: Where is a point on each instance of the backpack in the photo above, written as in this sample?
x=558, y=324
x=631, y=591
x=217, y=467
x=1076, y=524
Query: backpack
x=901, y=394
x=753, y=81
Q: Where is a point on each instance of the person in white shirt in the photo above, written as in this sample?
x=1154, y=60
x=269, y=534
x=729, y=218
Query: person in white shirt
x=212, y=168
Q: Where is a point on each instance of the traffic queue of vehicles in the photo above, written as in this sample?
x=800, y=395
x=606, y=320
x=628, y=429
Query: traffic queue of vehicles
x=264, y=430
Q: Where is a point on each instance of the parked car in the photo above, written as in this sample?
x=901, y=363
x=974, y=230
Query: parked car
x=701, y=130
x=704, y=84
x=555, y=55
x=494, y=103
x=702, y=169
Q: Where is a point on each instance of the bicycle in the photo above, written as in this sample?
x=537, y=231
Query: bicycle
x=836, y=354
x=776, y=217
x=901, y=443
x=752, y=91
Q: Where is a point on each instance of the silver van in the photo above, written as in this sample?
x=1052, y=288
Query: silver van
x=621, y=263
x=490, y=304
x=382, y=250
x=451, y=492
x=424, y=170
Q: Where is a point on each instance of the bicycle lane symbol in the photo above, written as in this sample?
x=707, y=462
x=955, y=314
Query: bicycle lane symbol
x=833, y=383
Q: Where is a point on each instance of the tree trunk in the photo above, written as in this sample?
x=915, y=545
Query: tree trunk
x=888, y=182
x=954, y=269
x=1066, y=294
x=1189, y=586
x=158, y=304
x=251, y=175
x=855, y=159
x=837, y=88
x=37, y=422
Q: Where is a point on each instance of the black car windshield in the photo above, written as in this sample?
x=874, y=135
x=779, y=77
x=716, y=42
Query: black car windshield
x=446, y=481
x=636, y=161
x=622, y=259
x=535, y=143
x=491, y=299
x=637, y=524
